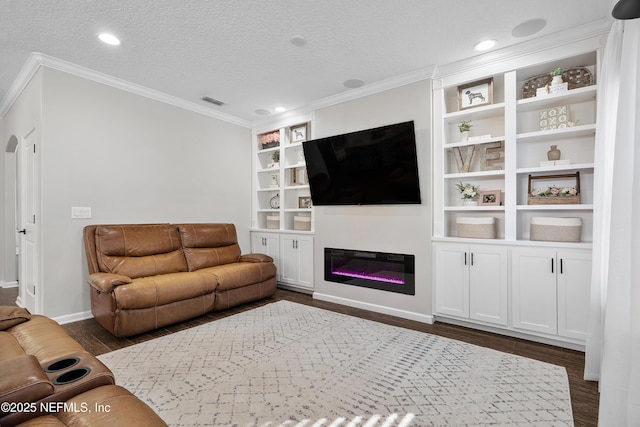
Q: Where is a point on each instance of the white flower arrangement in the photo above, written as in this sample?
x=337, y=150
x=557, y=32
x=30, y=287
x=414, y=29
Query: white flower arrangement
x=554, y=191
x=467, y=191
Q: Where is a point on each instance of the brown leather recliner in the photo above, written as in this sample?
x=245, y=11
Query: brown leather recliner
x=147, y=276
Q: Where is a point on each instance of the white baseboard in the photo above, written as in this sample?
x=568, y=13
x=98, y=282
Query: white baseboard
x=74, y=317
x=423, y=318
x=8, y=284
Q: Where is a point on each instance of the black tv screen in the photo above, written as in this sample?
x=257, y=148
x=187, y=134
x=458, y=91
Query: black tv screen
x=369, y=167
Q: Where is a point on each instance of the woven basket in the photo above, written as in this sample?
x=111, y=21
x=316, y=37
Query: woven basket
x=575, y=77
x=554, y=200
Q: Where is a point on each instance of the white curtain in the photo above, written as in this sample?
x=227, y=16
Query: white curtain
x=613, y=345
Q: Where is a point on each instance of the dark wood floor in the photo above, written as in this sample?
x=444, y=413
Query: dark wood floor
x=584, y=394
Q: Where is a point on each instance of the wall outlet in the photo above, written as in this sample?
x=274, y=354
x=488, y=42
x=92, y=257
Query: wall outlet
x=81, y=212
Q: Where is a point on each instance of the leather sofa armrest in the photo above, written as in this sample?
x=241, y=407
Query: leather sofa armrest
x=255, y=258
x=105, y=282
x=23, y=380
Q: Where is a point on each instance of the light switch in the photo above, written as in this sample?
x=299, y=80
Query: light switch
x=81, y=212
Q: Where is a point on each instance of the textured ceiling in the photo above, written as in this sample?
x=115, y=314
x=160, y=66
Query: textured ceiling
x=239, y=51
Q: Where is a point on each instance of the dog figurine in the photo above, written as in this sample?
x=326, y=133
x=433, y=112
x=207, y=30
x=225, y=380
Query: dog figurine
x=473, y=95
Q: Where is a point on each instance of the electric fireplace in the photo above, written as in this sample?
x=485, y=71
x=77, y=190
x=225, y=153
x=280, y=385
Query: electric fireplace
x=376, y=270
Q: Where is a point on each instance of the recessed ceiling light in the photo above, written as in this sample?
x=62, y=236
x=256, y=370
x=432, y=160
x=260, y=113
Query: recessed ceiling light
x=353, y=83
x=528, y=28
x=279, y=109
x=109, y=39
x=484, y=45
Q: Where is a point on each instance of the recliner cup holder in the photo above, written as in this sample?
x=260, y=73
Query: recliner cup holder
x=62, y=364
x=71, y=376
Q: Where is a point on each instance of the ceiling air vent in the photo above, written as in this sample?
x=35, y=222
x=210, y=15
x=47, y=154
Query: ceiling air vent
x=212, y=100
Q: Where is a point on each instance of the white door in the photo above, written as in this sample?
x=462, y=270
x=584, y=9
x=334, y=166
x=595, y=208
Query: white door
x=28, y=223
x=288, y=261
x=452, y=279
x=534, y=289
x=488, y=284
x=574, y=284
x=268, y=244
x=304, y=247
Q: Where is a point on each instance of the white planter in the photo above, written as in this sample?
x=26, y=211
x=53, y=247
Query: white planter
x=469, y=202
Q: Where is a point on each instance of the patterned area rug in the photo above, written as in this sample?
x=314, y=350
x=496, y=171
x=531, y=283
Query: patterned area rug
x=287, y=364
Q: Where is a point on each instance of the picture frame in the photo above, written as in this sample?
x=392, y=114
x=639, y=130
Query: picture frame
x=304, y=202
x=298, y=133
x=490, y=198
x=475, y=94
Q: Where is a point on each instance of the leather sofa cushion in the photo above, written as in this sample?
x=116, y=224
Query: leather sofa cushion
x=9, y=346
x=154, y=291
x=139, y=250
x=240, y=274
x=45, y=339
x=11, y=316
x=209, y=245
x=23, y=380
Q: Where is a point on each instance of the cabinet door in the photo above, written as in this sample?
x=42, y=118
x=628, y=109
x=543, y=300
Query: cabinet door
x=534, y=289
x=268, y=244
x=297, y=259
x=452, y=279
x=488, y=287
x=574, y=293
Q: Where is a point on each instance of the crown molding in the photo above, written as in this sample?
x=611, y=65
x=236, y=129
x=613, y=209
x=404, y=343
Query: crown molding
x=37, y=60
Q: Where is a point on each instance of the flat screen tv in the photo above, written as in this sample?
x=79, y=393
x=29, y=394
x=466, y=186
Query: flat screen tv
x=369, y=167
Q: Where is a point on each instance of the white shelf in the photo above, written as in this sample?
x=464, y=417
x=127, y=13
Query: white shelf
x=480, y=174
x=475, y=142
x=577, y=166
x=298, y=165
x=554, y=134
x=580, y=207
x=473, y=208
x=477, y=113
x=574, y=96
x=296, y=187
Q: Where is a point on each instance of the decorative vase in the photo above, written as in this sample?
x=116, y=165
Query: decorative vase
x=465, y=136
x=556, y=80
x=553, y=153
x=469, y=202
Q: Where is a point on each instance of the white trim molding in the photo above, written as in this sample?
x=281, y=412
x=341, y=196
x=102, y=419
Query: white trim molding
x=422, y=318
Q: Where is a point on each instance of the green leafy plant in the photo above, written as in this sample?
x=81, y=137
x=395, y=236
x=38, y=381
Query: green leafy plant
x=464, y=125
x=557, y=72
x=275, y=156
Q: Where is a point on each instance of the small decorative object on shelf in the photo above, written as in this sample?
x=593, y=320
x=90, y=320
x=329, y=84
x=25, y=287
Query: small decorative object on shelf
x=554, y=153
x=492, y=156
x=298, y=133
x=269, y=139
x=463, y=160
x=555, y=194
x=490, y=198
x=475, y=94
x=554, y=118
x=304, y=202
x=469, y=193
x=556, y=76
x=465, y=126
x=275, y=202
x=575, y=78
x=275, y=156
x=275, y=181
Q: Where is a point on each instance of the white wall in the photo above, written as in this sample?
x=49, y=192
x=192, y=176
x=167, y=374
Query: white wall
x=24, y=115
x=132, y=160
x=402, y=229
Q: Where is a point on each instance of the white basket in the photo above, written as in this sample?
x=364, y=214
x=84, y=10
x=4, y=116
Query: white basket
x=554, y=229
x=273, y=222
x=477, y=228
x=302, y=223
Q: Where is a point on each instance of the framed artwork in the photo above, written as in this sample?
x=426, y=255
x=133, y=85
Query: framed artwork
x=299, y=133
x=489, y=198
x=475, y=94
x=304, y=202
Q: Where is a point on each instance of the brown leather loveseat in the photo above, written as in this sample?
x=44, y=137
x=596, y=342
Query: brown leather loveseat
x=144, y=277
x=49, y=379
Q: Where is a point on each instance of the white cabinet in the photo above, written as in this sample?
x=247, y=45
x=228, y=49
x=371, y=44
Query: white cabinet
x=471, y=282
x=296, y=264
x=268, y=244
x=551, y=291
